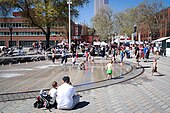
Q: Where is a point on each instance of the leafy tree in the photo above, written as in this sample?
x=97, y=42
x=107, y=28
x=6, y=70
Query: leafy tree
x=103, y=23
x=43, y=13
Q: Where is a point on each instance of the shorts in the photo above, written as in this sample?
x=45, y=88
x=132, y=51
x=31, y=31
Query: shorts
x=109, y=71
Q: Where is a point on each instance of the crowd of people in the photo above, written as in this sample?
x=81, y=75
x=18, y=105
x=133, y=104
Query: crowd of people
x=65, y=96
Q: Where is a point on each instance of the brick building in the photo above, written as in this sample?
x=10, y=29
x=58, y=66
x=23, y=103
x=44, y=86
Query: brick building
x=25, y=35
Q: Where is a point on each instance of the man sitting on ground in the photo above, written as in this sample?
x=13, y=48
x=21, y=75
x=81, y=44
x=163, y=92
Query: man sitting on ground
x=66, y=95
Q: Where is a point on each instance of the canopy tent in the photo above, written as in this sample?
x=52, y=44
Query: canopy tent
x=103, y=44
x=160, y=39
x=100, y=43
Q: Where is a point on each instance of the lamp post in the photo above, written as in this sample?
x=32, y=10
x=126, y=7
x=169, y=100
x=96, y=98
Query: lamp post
x=69, y=2
x=10, y=29
x=135, y=33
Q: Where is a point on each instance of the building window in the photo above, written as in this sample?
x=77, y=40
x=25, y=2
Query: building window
x=168, y=45
x=26, y=43
x=2, y=43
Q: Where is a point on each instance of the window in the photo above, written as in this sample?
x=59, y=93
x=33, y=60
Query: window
x=2, y=25
x=2, y=43
x=168, y=45
x=26, y=43
x=16, y=25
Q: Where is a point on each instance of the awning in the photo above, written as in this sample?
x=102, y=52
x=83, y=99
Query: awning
x=160, y=39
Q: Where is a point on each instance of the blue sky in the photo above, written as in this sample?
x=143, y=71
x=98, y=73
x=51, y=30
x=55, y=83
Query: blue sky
x=87, y=12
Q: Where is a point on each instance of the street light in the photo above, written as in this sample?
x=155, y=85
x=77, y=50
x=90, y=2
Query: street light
x=69, y=2
x=10, y=29
x=135, y=33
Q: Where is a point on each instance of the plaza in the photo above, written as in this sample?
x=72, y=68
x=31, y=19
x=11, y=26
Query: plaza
x=142, y=94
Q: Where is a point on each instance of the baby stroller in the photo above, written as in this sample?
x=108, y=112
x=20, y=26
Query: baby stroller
x=47, y=100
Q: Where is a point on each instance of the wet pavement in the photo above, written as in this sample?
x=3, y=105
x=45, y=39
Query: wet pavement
x=144, y=94
x=39, y=75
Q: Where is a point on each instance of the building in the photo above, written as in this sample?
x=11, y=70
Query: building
x=98, y=4
x=16, y=30
x=164, y=28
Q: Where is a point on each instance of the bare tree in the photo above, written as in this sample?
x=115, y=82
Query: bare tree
x=152, y=10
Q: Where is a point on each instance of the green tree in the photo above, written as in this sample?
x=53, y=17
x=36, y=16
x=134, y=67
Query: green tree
x=103, y=23
x=43, y=13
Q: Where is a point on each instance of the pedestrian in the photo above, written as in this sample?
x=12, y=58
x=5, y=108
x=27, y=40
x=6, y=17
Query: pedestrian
x=64, y=55
x=109, y=70
x=121, y=56
x=73, y=61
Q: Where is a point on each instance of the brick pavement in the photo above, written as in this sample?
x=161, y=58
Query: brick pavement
x=144, y=94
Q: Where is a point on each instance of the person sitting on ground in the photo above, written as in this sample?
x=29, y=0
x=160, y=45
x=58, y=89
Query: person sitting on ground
x=66, y=95
x=53, y=92
x=81, y=65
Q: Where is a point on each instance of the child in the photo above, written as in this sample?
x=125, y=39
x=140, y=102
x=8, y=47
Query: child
x=53, y=94
x=109, y=70
x=154, y=67
x=73, y=61
x=81, y=65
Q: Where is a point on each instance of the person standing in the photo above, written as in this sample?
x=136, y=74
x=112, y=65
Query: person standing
x=154, y=67
x=109, y=70
x=66, y=95
x=64, y=55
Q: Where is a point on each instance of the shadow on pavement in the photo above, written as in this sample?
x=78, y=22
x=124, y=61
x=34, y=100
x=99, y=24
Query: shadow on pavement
x=160, y=75
x=81, y=105
x=145, y=66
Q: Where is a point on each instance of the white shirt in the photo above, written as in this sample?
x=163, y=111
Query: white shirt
x=65, y=94
x=53, y=92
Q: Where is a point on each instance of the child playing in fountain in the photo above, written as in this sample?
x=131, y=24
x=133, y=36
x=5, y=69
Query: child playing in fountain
x=81, y=65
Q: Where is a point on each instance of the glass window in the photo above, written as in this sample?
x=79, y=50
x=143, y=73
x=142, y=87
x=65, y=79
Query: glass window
x=2, y=25
x=19, y=24
x=168, y=45
x=5, y=25
x=16, y=25
x=2, y=43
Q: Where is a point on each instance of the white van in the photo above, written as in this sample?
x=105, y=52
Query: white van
x=168, y=47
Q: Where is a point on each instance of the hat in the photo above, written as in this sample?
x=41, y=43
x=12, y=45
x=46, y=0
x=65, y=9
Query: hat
x=66, y=79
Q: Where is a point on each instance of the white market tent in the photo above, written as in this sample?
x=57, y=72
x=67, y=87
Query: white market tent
x=160, y=39
x=100, y=43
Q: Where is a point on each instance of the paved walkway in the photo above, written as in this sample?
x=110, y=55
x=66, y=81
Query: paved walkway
x=144, y=94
